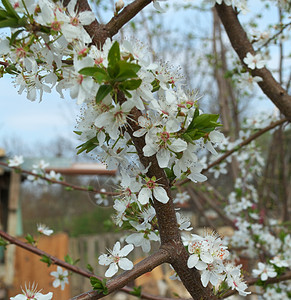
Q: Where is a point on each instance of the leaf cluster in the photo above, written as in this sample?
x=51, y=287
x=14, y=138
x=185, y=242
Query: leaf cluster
x=9, y=17
x=120, y=75
x=99, y=285
x=200, y=126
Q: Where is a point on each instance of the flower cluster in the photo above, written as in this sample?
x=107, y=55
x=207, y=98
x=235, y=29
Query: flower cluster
x=208, y=254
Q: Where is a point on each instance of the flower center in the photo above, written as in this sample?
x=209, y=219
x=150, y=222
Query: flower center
x=56, y=26
x=75, y=21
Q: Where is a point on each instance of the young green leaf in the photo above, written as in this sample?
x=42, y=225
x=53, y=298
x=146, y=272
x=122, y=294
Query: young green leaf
x=99, y=285
x=46, y=260
x=88, y=146
x=131, y=85
x=90, y=268
x=30, y=239
x=69, y=259
x=3, y=243
x=136, y=291
x=103, y=91
x=10, y=10
x=113, y=55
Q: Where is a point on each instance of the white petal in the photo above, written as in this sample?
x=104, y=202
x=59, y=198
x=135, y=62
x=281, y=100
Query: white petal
x=201, y=265
x=192, y=261
x=205, y=276
x=125, y=264
x=116, y=249
x=86, y=17
x=144, y=195
x=104, y=260
x=126, y=249
x=163, y=157
x=206, y=257
x=178, y=145
x=160, y=194
x=111, y=270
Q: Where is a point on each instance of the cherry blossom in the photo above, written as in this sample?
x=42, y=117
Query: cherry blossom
x=152, y=189
x=31, y=292
x=265, y=271
x=16, y=161
x=116, y=259
x=43, y=229
x=61, y=278
x=254, y=61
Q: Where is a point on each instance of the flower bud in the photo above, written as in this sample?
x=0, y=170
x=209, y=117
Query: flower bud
x=119, y=5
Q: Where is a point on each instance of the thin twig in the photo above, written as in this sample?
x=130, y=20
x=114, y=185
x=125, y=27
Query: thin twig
x=71, y=186
x=238, y=147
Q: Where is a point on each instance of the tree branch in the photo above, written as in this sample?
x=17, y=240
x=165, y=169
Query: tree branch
x=125, y=16
x=71, y=186
x=146, y=265
x=142, y=267
x=39, y=252
x=241, y=44
x=238, y=147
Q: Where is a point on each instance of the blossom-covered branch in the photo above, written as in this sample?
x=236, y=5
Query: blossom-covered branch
x=241, y=44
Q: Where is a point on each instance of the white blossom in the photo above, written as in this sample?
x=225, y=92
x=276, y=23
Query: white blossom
x=116, y=259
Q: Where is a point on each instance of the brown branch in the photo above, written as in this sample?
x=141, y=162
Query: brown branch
x=241, y=44
x=72, y=186
x=245, y=142
x=142, y=267
x=253, y=281
x=39, y=252
x=146, y=265
x=130, y=11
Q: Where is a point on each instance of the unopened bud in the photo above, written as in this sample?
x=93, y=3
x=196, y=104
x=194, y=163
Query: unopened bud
x=119, y=5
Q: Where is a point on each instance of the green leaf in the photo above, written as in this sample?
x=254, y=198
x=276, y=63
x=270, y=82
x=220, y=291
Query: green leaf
x=77, y=132
x=131, y=85
x=88, y=146
x=99, y=285
x=11, y=69
x=103, y=91
x=46, y=260
x=30, y=239
x=68, y=188
x=10, y=10
x=113, y=71
x=14, y=36
x=136, y=291
x=90, y=188
x=126, y=71
x=90, y=268
x=205, y=121
x=156, y=85
x=170, y=174
x=9, y=22
x=98, y=73
x=3, y=243
x=113, y=55
x=69, y=259
x=3, y=14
